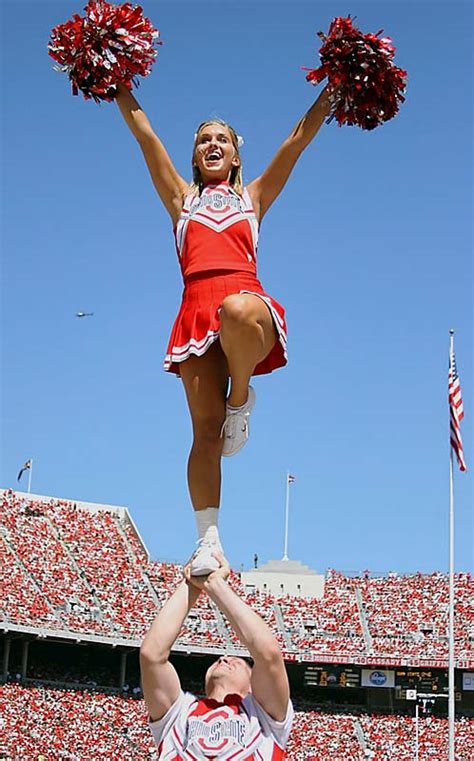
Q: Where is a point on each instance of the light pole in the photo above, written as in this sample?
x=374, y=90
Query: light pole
x=425, y=697
x=417, y=732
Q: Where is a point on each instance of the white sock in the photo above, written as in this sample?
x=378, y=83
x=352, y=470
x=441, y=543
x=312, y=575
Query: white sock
x=206, y=519
x=230, y=408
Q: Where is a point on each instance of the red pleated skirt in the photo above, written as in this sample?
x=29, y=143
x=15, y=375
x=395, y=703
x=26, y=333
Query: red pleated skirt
x=197, y=325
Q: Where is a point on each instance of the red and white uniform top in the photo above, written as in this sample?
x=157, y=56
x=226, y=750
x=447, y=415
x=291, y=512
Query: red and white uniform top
x=217, y=230
x=237, y=729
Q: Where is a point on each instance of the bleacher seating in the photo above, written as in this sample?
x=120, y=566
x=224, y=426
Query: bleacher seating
x=407, y=615
x=393, y=737
x=89, y=726
x=65, y=567
x=328, y=625
x=320, y=736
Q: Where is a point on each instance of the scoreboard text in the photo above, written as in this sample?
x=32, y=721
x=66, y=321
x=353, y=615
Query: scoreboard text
x=422, y=680
x=331, y=675
x=338, y=675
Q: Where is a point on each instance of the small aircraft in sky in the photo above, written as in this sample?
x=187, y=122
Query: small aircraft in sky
x=84, y=314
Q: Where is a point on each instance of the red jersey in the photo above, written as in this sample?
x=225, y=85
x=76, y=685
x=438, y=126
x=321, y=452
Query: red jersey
x=217, y=230
x=237, y=729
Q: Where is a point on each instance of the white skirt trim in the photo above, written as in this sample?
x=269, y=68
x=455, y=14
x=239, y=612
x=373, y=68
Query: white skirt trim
x=192, y=347
x=198, y=348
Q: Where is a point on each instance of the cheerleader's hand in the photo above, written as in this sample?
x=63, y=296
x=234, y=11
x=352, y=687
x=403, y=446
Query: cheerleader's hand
x=329, y=96
x=223, y=572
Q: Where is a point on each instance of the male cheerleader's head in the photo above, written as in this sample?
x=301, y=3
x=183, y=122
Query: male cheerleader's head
x=216, y=155
x=230, y=673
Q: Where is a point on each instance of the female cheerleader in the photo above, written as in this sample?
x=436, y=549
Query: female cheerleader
x=228, y=328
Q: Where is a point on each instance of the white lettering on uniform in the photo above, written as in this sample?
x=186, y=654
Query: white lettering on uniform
x=217, y=200
x=215, y=731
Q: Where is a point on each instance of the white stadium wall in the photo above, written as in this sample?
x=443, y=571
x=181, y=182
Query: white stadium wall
x=287, y=577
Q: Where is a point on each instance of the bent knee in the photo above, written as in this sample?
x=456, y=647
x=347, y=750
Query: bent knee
x=207, y=431
x=237, y=309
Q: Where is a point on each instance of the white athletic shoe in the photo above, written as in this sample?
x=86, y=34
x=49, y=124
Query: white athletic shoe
x=235, y=430
x=203, y=561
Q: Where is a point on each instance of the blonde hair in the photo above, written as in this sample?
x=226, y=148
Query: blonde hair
x=235, y=179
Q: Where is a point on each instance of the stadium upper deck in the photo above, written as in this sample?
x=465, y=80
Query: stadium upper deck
x=82, y=571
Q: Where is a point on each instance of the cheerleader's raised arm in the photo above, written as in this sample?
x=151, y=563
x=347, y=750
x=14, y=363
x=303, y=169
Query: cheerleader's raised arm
x=170, y=186
x=265, y=189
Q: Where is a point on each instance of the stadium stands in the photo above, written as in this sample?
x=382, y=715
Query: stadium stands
x=328, y=625
x=73, y=725
x=393, y=737
x=64, y=567
x=67, y=569
x=90, y=726
x=407, y=615
x=319, y=736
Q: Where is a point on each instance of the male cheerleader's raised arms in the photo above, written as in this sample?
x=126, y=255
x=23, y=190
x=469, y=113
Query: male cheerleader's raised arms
x=228, y=328
x=246, y=712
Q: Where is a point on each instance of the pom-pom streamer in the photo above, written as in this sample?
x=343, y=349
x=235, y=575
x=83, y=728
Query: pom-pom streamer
x=366, y=87
x=109, y=45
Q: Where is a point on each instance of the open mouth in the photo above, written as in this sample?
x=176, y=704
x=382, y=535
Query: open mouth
x=213, y=157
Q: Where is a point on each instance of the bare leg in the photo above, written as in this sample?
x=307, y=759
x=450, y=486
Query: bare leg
x=247, y=335
x=205, y=381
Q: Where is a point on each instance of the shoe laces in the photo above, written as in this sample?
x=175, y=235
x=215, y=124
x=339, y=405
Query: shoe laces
x=202, y=544
x=229, y=427
x=207, y=543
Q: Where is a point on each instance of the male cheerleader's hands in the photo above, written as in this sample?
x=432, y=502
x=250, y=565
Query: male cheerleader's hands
x=223, y=572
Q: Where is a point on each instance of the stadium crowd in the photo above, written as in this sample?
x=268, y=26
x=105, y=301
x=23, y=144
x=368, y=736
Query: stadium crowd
x=331, y=624
x=67, y=567
x=319, y=736
x=393, y=737
x=52, y=725
x=407, y=615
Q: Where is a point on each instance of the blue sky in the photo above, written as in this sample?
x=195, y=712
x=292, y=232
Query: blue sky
x=368, y=248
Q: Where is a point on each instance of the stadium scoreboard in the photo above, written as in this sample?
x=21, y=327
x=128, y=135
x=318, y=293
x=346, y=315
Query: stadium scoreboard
x=421, y=680
x=331, y=675
x=338, y=675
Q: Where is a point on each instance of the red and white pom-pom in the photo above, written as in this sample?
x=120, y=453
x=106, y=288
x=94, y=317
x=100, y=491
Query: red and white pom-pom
x=368, y=87
x=110, y=45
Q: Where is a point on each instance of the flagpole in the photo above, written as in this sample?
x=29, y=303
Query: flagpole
x=287, y=506
x=417, y=732
x=451, y=703
x=29, y=476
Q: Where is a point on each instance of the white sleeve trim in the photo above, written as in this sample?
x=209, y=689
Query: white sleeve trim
x=161, y=727
x=280, y=730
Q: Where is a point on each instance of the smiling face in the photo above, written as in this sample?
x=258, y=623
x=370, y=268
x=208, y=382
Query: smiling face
x=230, y=672
x=216, y=155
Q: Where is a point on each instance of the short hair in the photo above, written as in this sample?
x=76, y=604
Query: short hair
x=248, y=660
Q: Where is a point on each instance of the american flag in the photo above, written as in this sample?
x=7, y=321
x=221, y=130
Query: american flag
x=291, y=479
x=455, y=409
